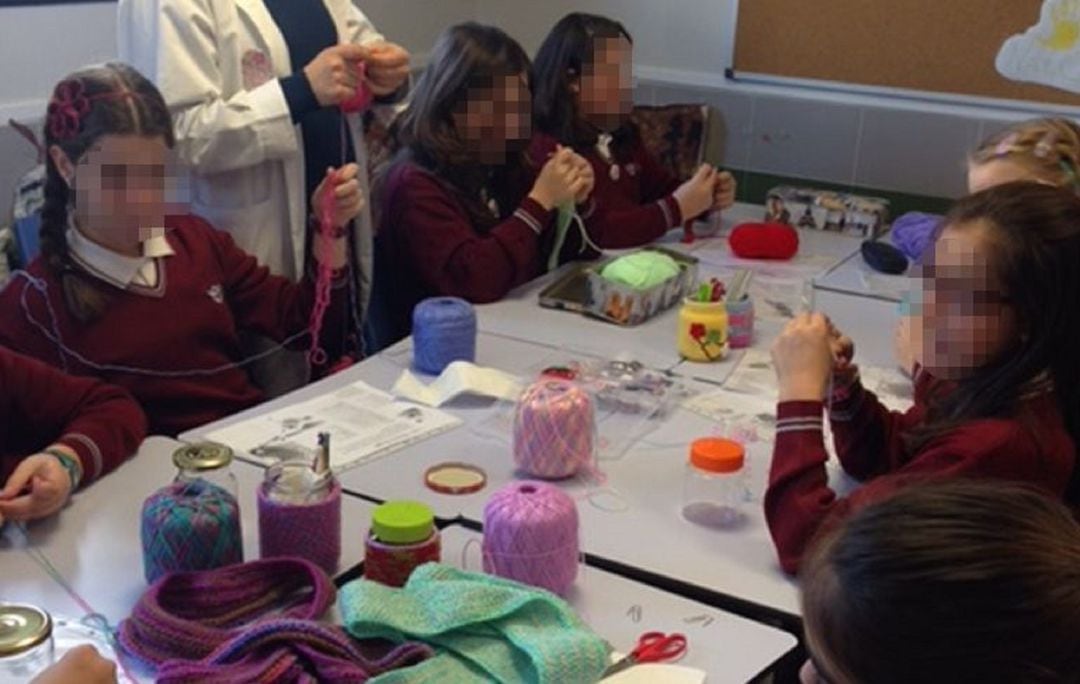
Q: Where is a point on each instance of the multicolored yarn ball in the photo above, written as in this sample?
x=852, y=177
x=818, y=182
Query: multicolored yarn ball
x=531, y=536
x=554, y=430
x=192, y=525
x=444, y=331
x=310, y=530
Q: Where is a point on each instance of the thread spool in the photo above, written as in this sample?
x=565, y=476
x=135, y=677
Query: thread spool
x=300, y=515
x=531, y=536
x=402, y=538
x=554, y=430
x=189, y=525
x=444, y=331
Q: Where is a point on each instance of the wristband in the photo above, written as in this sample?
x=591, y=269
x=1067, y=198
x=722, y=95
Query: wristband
x=70, y=464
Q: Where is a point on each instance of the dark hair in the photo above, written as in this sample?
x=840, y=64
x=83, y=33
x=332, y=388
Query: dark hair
x=111, y=99
x=465, y=57
x=1034, y=240
x=953, y=581
x=562, y=58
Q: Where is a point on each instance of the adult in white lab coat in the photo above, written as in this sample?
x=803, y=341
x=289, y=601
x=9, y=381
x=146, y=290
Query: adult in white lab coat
x=226, y=70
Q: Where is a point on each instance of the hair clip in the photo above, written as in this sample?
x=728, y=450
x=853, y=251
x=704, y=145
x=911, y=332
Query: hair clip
x=1007, y=145
x=68, y=106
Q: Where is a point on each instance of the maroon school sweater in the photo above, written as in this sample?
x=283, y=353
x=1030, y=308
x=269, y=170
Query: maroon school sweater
x=428, y=246
x=40, y=406
x=1033, y=448
x=632, y=210
x=185, y=331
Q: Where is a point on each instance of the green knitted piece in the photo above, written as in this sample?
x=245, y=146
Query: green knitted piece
x=485, y=629
x=641, y=270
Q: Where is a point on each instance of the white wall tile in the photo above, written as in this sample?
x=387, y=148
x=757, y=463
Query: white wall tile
x=797, y=137
x=917, y=152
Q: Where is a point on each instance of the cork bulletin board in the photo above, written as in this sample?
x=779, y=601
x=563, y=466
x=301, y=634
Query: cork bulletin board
x=940, y=46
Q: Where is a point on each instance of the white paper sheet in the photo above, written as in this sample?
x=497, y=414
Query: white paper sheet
x=364, y=424
x=460, y=377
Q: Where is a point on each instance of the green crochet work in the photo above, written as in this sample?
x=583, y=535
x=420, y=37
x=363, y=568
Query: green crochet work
x=484, y=628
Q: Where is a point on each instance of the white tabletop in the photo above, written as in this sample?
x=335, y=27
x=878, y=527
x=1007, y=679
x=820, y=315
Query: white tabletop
x=852, y=276
x=727, y=647
x=94, y=542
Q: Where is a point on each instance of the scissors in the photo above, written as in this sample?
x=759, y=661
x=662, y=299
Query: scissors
x=652, y=647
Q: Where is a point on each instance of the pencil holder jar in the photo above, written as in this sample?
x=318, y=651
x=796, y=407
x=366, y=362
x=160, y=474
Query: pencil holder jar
x=740, y=323
x=300, y=514
x=703, y=331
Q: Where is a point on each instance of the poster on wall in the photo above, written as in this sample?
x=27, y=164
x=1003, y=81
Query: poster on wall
x=1048, y=53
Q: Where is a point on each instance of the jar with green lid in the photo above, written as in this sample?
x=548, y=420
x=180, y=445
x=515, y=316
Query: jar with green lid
x=403, y=537
x=26, y=642
x=206, y=463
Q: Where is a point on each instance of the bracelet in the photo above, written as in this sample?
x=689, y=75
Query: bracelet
x=71, y=465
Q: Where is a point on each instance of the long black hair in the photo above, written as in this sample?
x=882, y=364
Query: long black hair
x=1034, y=238
x=568, y=49
x=111, y=99
x=466, y=58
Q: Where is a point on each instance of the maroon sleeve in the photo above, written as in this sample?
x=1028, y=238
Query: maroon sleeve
x=273, y=305
x=450, y=256
x=100, y=422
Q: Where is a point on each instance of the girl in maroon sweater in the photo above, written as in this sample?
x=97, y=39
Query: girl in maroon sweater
x=150, y=302
x=462, y=214
x=57, y=433
x=582, y=99
x=999, y=326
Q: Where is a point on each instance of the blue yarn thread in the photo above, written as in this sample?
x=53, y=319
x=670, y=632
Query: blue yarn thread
x=444, y=331
x=190, y=526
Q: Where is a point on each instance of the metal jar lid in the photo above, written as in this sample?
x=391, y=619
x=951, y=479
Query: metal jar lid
x=202, y=456
x=22, y=627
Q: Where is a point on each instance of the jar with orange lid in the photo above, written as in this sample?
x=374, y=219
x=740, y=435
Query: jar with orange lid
x=714, y=486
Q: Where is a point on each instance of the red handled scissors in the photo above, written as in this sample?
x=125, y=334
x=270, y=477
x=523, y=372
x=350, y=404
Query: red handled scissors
x=652, y=647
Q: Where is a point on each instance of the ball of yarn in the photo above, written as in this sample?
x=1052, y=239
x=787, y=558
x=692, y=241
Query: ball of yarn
x=883, y=257
x=531, y=536
x=914, y=232
x=764, y=241
x=189, y=526
x=554, y=429
x=444, y=331
x=641, y=270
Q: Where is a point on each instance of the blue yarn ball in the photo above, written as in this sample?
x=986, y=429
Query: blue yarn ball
x=190, y=526
x=444, y=331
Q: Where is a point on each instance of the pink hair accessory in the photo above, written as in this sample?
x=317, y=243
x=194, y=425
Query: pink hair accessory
x=68, y=106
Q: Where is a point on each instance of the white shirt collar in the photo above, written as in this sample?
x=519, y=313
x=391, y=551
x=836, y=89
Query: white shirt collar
x=119, y=269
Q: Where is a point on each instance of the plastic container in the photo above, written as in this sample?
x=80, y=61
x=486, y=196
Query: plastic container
x=208, y=462
x=402, y=538
x=703, y=331
x=714, y=486
x=26, y=642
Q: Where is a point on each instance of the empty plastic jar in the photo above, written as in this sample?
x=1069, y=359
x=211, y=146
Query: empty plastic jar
x=714, y=487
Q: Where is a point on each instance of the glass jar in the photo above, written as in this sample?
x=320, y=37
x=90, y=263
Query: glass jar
x=714, y=486
x=703, y=331
x=209, y=463
x=300, y=513
x=403, y=537
x=26, y=642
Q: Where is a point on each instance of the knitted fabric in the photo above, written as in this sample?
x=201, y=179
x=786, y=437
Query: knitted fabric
x=485, y=629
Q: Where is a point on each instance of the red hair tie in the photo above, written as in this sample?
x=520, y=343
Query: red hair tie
x=68, y=106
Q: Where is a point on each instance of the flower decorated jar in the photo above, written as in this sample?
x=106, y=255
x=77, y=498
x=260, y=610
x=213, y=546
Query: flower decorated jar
x=703, y=331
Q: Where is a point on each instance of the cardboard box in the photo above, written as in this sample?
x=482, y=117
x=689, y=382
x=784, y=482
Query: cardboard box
x=628, y=306
x=826, y=210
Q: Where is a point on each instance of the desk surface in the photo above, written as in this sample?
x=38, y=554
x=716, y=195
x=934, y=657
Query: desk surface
x=727, y=647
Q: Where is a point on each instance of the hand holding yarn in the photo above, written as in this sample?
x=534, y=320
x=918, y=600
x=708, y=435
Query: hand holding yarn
x=44, y=485
x=560, y=180
x=724, y=191
x=345, y=199
x=586, y=178
x=81, y=664
x=332, y=76
x=803, y=358
x=697, y=195
x=387, y=67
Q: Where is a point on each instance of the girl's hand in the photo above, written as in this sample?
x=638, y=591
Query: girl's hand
x=347, y=203
x=387, y=67
x=559, y=181
x=724, y=191
x=586, y=179
x=803, y=358
x=39, y=487
x=697, y=195
x=80, y=664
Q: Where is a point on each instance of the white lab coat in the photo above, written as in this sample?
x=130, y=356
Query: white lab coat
x=246, y=155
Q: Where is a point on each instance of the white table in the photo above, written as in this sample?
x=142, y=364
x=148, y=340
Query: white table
x=94, y=542
x=727, y=647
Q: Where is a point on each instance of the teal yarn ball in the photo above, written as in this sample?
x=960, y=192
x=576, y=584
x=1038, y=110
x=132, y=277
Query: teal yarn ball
x=190, y=526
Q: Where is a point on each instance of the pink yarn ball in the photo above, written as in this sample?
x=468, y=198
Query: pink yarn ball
x=531, y=536
x=554, y=430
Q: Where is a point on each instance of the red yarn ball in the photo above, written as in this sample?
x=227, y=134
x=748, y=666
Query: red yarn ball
x=764, y=241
